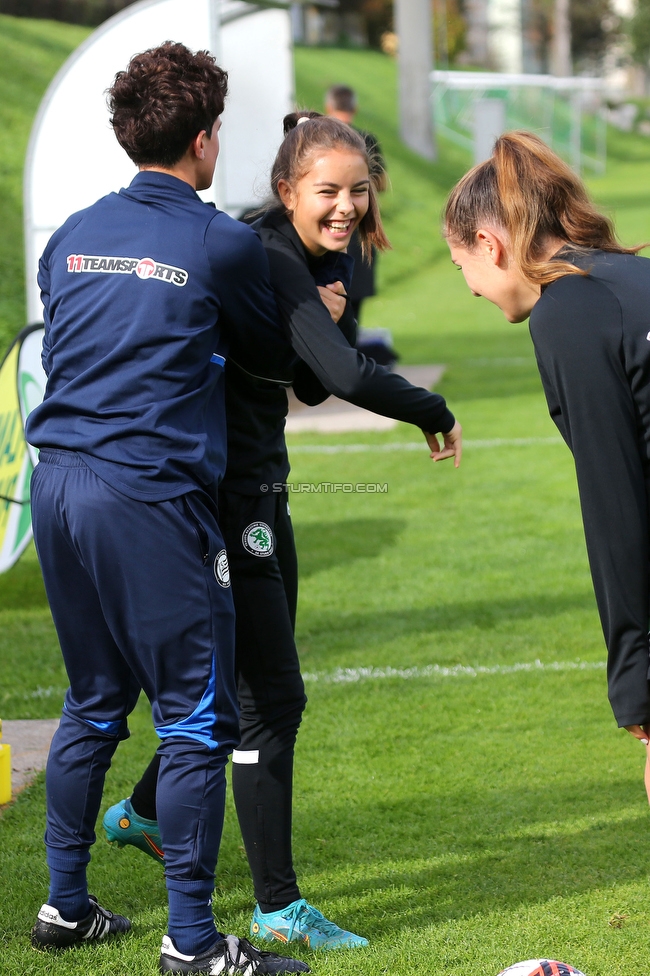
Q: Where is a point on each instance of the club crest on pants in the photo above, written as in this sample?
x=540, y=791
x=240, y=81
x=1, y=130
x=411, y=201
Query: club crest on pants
x=257, y=538
x=222, y=569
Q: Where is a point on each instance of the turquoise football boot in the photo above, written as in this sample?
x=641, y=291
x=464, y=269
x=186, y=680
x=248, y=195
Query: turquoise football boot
x=123, y=826
x=301, y=922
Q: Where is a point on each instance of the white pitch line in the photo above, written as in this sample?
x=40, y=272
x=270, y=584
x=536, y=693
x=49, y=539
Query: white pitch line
x=344, y=676
x=350, y=675
x=417, y=445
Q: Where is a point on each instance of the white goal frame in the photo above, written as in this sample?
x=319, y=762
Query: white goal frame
x=566, y=112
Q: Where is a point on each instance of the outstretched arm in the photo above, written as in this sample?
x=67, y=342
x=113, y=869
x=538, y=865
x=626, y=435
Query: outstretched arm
x=341, y=368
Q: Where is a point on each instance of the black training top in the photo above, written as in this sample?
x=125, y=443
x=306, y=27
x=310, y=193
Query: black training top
x=592, y=342
x=326, y=362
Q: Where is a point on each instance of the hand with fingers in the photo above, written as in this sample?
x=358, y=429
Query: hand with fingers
x=452, y=445
x=334, y=298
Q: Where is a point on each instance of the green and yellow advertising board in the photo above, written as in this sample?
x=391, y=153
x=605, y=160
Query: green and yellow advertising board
x=22, y=386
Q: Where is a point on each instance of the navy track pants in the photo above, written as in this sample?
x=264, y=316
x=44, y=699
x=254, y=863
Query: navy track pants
x=270, y=687
x=140, y=597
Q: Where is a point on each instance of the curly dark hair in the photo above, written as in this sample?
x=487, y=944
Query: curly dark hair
x=166, y=96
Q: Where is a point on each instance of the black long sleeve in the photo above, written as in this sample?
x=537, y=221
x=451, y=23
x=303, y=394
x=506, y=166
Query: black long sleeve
x=306, y=385
x=319, y=342
x=588, y=349
x=328, y=363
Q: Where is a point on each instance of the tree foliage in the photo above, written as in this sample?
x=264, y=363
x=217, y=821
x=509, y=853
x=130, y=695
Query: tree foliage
x=87, y=12
x=378, y=16
x=449, y=31
x=639, y=32
x=594, y=26
x=449, y=25
x=593, y=23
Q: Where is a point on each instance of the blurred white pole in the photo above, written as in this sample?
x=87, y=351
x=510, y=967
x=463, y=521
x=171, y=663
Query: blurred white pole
x=414, y=30
x=576, y=131
x=218, y=189
x=561, y=48
x=489, y=124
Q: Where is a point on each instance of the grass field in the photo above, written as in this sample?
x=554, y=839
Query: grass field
x=463, y=797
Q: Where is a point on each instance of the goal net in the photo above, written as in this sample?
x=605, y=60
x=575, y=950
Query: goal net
x=472, y=108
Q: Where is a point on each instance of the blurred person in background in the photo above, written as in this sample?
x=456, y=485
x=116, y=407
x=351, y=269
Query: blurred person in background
x=341, y=103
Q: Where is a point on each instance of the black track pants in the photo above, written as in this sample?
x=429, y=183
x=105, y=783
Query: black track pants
x=264, y=575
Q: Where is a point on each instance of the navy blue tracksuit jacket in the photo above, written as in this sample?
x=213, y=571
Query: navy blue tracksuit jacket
x=148, y=416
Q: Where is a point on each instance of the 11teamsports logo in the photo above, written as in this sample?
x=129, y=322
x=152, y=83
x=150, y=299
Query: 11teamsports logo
x=144, y=268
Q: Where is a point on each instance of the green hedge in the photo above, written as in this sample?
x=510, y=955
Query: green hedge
x=88, y=12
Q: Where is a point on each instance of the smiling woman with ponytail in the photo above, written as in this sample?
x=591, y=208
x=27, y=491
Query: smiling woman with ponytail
x=527, y=237
x=323, y=184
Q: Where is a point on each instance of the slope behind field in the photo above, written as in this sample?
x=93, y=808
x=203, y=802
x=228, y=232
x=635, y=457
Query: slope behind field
x=31, y=51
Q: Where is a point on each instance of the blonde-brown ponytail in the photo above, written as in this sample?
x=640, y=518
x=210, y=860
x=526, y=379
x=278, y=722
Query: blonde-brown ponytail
x=526, y=189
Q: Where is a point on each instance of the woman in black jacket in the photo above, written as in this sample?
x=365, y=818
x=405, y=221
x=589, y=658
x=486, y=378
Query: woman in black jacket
x=526, y=236
x=323, y=192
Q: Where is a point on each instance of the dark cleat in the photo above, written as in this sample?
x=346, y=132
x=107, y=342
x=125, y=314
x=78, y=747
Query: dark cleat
x=228, y=956
x=53, y=932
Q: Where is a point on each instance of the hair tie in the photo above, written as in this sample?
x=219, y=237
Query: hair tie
x=303, y=118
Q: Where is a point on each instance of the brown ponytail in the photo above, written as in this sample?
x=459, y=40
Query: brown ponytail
x=302, y=142
x=526, y=189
